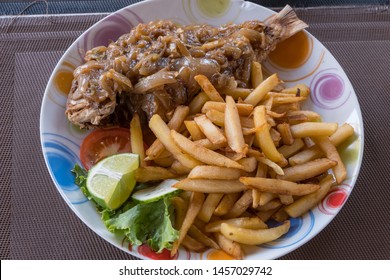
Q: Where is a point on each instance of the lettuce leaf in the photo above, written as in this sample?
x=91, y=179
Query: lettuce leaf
x=146, y=223
x=149, y=223
x=81, y=179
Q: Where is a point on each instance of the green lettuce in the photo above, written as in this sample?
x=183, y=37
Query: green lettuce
x=81, y=179
x=141, y=223
x=148, y=223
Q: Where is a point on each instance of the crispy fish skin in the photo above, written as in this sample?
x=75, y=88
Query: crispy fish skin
x=151, y=69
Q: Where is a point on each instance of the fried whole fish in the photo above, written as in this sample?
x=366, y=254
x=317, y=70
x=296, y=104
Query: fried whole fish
x=150, y=70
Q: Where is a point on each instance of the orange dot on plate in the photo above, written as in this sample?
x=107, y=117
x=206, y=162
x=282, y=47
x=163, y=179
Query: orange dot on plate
x=218, y=255
x=292, y=52
x=63, y=81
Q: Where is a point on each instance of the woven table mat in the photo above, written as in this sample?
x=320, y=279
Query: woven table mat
x=37, y=224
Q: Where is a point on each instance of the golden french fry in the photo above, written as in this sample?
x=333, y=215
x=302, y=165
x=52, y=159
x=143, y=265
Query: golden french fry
x=298, y=90
x=230, y=247
x=286, y=199
x=342, y=133
x=285, y=133
x=266, y=197
x=210, y=186
x=181, y=112
x=136, y=139
x=214, y=172
x=307, y=170
x=162, y=132
x=243, y=109
x=282, y=108
x=192, y=244
x=280, y=215
x=278, y=170
x=261, y=90
x=313, y=129
x=216, y=117
x=152, y=173
x=210, y=130
x=339, y=170
x=202, y=238
x=209, y=205
x=285, y=99
x=263, y=137
x=194, y=130
x=194, y=206
x=273, y=204
x=208, y=88
x=289, y=150
x=247, y=122
x=197, y=103
x=164, y=161
x=254, y=236
x=307, y=202
x=256, y=74
x=279, y=186
x=181, y=207
x=233, y=129
x=236, y=93
x=262, y=173
x=310, y=115
x=226, y=203
x=240, y=205
x=275, y=136
x=266, y=215
x=179, y=168
x=249, y=164
x=206, y=143
x=202, y=154
x=244, y=222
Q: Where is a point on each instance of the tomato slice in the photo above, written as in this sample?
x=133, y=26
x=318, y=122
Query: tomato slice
x=146, y=251
x=102, y=143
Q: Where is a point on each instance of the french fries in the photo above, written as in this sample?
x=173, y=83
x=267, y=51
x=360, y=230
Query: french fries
x=194, y=207
x=313, y=129
x=210, y=186
x=214, y=172
x=233, y=130
x=177, y=120
x=244, y=222
x=202, y=154
x=243, y=109
x=208, y=88
x=242, y=157
x=253, y=236
x=262, y=89
x=162, y=132
x=331, y=153
x=153, y=173
x=279, y=186
x=209, y=206
x=307, y=170
x=210, y=130
x=264, y=137
x=307, y=202
x=136, y=139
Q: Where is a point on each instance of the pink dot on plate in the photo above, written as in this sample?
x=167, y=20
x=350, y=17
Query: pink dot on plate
x=336, y=199
x=330, y=86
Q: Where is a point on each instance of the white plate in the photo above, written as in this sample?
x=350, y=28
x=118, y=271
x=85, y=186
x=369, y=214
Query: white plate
x=332, y=96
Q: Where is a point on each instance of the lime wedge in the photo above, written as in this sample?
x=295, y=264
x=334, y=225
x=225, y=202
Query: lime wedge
x=111, y=181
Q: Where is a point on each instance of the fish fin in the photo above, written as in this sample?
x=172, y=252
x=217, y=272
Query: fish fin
x=287, y=21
